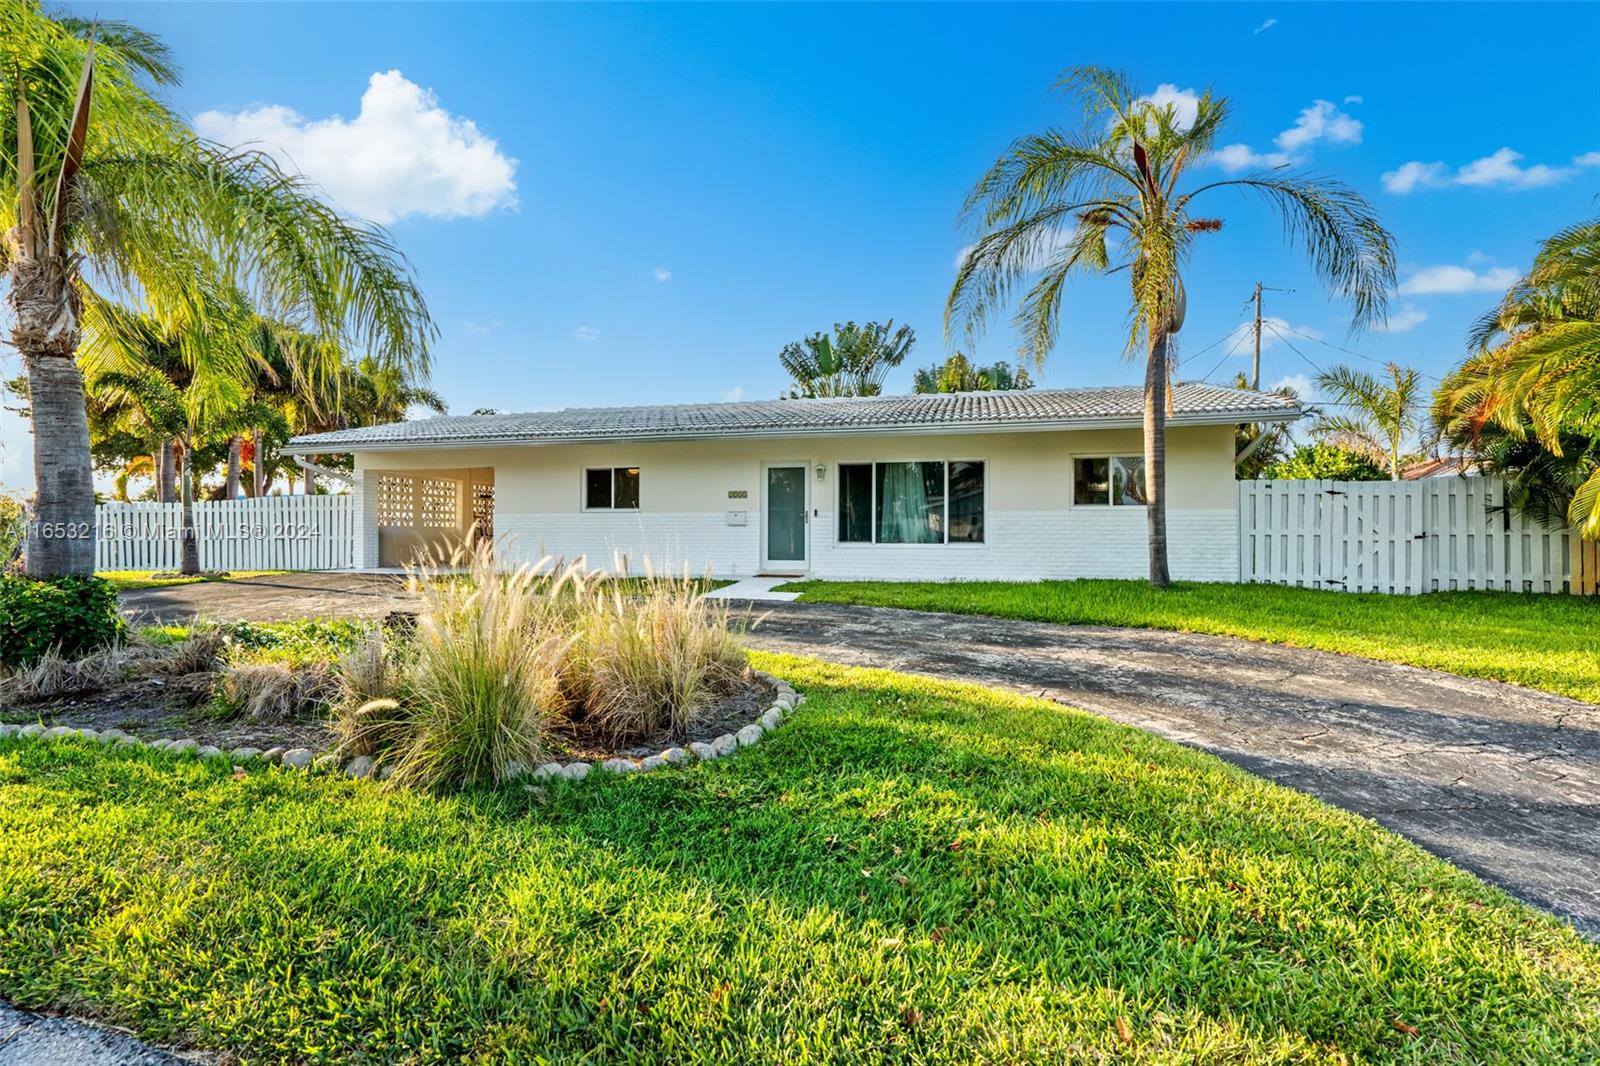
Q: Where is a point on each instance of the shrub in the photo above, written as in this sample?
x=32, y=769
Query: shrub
x=1325, y=461
x=12, y=518
x=53, y=674
x=75, y=615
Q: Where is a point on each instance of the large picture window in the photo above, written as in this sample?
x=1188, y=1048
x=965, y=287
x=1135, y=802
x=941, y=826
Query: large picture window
x=1116, y=480
x=611, y=488
x=935, y=502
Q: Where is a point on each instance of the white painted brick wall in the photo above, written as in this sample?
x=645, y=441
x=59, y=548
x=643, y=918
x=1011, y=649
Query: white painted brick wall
x=698, y=541
x=365, y=490
x=1021, y=545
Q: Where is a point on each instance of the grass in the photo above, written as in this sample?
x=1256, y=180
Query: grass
x=128, y=580
x=908, y=871
x=1544, y=642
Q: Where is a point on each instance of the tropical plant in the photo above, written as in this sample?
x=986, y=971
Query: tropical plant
x=1527, y=400
x=1261, y=444
x=1379, y=414
x=852, y=362
x=1325, y=462
x=1048, y=208
x=13, y=515
x=957, y=374
x=100, y=179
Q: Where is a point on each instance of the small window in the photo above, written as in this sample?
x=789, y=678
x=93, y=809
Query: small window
x=611, y=488
x=1116, y=481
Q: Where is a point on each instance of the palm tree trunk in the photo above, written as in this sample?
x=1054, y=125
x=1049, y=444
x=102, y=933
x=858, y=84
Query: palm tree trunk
x=258, y=471
x=1155, y=457
x=235, y=448
x=166, y=473
x=191, y=545
x=46, y=333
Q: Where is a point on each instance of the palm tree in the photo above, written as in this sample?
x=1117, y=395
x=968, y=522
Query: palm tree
x=1045, y=211
x=959, y=375
x=1380, y=414
x=1532, y=384
x=1258, y=445
x=99, y=178
x=853, y=362
x=366, y=393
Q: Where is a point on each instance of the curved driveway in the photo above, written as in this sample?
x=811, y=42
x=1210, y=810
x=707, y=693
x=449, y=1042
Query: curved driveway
x=1500, y=780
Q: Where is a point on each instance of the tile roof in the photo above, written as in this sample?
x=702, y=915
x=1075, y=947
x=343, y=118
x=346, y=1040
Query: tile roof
x=1121, y=405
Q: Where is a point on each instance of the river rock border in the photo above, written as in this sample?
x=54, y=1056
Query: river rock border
x=362, y=766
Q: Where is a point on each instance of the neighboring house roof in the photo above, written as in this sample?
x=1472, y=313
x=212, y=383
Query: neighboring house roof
x=1449, y=466
x=959, y=412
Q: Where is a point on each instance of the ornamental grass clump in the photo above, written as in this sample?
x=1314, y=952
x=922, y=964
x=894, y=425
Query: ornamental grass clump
x=652, y=658
x=482, y=677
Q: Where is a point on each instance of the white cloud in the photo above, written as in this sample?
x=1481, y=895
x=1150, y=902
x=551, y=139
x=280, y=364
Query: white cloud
x=401, y=155
x=1354, y=99
x=1184, y=102
x=1273, y=329
x=586, y=333
x=662, y=274
x=735, y=393
x=1448, y=278
x=1407, y=318
x=1322, y=121
x=1236, y=157
x=1408, y=176
x=1300, y=383
x=1500, y=169
x=1265, y=26
x=482, y=327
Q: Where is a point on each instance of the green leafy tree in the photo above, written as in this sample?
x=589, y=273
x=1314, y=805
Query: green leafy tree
x=1327, y=462
x=1274, y=438
x=100, y=180
x=1379, y=414
x=959, y=375
x=1111, y=196
x=1527, y=400
x=852, y=362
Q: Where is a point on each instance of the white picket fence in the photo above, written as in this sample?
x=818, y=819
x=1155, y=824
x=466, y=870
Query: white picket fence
x=1408, y=537
x=267, y=533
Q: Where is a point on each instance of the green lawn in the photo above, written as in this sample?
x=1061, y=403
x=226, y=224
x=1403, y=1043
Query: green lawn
x=909, y=871
x=126, y=580
x=1545, y=642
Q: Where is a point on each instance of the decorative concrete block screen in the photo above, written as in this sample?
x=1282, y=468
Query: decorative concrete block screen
x=267, y=533
x=1409, y=537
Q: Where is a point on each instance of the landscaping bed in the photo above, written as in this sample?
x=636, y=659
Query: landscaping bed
x=907, y=871
x=1549, y=642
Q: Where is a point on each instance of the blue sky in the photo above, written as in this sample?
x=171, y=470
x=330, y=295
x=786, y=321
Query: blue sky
x=650, y=201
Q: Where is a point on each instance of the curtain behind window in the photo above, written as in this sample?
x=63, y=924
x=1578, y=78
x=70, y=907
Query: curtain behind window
x=910, y=503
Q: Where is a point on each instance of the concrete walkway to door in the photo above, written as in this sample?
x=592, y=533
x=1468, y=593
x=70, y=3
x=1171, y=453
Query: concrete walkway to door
x=1500, y=780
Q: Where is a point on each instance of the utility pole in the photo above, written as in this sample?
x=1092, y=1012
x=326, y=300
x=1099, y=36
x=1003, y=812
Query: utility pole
x=1255, y=364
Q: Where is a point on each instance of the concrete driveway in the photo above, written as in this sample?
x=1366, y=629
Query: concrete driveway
x=1500, y=780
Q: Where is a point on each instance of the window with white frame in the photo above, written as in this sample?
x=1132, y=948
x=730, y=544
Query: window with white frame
x=1108, y=480
x=934, y=502
x=611, y=488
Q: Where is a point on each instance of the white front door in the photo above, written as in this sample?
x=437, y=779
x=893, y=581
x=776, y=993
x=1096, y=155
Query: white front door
x=785, y=518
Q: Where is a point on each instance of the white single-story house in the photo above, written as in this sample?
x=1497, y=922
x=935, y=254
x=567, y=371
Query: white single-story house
x=1006, y=485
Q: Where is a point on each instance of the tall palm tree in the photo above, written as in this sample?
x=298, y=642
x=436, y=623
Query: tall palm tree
x=852, y=362
x=957, y=374
x=1048, y=208
x=1534, y=379
x=1379, y=414
x=99, y=178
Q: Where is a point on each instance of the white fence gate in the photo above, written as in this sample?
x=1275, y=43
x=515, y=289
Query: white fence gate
x=1430, y=535
x=266, y=533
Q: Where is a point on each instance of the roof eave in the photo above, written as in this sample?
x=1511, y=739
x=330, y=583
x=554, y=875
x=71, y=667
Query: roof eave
x=304, y=445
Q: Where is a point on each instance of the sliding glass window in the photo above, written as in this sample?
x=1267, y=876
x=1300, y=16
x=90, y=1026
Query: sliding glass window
x=934, y=502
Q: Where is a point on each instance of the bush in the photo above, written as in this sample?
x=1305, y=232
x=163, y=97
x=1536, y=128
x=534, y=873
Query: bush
x=271, y=693
x=1325, y=461
x=12, y=517
x=75, y=615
